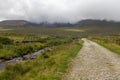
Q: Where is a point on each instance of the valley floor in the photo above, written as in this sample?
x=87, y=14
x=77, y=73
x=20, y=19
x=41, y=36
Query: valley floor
x=94, y=62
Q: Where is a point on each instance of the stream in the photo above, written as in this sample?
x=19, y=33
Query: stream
x=25, y=57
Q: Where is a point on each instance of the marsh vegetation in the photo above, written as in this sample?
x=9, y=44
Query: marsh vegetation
x=49, y=65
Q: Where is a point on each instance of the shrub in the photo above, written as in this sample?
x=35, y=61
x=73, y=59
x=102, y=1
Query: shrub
x=14, y=70
x=58, y=41
x=23, y=50
x=5, y=40
x=1, y=46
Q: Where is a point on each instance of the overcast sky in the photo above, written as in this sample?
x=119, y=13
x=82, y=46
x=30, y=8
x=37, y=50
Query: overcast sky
x=59, y=10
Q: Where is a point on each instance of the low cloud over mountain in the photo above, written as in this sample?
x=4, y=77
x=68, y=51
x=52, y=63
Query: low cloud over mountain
x=59, y=10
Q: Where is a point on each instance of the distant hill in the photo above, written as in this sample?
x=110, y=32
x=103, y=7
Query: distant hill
x=95, y=23
x=14, y=23
x=99, y=26
x=82, y=24
x=23, y=23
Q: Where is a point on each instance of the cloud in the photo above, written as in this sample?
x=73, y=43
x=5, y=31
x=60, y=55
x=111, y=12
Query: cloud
x=59, y=10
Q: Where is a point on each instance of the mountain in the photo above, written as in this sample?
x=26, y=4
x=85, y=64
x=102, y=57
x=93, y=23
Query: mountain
x=89, y=23
x=13, y=23
x=23, y=23
x=97, y=23
x=99, y=26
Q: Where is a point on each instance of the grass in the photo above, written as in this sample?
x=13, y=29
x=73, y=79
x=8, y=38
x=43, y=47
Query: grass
x=10, y=48
x=111, y=45
x=25, y=32
x=20, y=49
x=5, y=29
x=75, y=30
x=16, y=38
x=50, y=65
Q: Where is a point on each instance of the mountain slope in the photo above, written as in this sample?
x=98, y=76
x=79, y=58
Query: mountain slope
x=95, y=23
x=13, y=23
x=23, y=23
x=90, y=25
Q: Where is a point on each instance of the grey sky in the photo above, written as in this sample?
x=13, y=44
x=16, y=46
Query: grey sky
x=59, y=10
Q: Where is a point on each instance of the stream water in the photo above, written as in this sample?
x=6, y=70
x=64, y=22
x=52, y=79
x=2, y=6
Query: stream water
x=13, y=61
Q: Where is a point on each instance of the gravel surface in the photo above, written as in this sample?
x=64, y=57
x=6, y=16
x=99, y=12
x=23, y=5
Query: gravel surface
x=94, y=62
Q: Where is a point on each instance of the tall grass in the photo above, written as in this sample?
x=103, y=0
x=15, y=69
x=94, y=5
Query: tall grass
x=15, y=48
x=11, y=51
x=50, y=65
x=111, y=45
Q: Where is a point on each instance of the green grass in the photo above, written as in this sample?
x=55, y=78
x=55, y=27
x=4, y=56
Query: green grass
x=20, y=49
x=14, y=48
x=74, y=30
x=108, y=44
x=50, y=65
x=5, y=29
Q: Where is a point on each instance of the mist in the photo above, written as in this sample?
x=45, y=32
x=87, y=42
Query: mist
x=59, y=10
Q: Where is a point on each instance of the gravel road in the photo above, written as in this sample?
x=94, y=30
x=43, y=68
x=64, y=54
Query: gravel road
x=94, y=62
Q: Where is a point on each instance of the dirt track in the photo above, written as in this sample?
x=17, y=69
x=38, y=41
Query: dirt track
x=94, y=62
